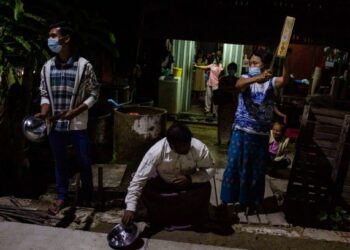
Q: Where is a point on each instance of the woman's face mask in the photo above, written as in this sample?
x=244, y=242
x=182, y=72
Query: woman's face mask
x=54, y=45
x=255, y=65
x=254, y=71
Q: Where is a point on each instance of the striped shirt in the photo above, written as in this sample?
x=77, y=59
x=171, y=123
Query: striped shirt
x=62, y=79
x=85, y=90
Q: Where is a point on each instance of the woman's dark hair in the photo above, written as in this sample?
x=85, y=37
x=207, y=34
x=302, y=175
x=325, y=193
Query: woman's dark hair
x=264, y=53
x=198, y=55
x=218, y=60
x=178, y=132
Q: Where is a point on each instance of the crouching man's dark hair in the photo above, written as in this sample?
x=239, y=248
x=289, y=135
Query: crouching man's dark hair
x=178, y=132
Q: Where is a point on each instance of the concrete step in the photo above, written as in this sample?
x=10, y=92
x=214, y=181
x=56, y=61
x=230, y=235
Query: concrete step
x=14, y=236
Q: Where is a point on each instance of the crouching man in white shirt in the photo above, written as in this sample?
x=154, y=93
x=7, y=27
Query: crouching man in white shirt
x=172, y=180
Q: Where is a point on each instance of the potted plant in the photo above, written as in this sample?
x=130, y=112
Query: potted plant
x=23, y=51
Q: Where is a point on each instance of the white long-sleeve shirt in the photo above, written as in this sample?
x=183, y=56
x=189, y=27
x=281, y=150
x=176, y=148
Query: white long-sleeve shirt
x=161, y=159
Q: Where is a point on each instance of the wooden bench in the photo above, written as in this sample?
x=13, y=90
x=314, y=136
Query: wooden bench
x=319, y=175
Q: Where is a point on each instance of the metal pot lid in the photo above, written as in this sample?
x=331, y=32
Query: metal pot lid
x=123, y=236
x=34, y=129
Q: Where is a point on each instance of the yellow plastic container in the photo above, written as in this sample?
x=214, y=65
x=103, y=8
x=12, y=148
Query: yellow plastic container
x=177, y=72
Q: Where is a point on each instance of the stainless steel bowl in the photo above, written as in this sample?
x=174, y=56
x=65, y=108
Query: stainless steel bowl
x=34, y=129
x=123, y=236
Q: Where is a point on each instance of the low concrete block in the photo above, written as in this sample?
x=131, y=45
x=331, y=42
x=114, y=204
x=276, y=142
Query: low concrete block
x=318, y=234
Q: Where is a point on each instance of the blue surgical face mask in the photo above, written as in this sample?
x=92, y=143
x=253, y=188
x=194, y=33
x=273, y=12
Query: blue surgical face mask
x=54, y=45
x=254, y=71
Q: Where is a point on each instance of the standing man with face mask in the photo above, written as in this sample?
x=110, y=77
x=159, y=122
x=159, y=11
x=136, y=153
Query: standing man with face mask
x=68, y=89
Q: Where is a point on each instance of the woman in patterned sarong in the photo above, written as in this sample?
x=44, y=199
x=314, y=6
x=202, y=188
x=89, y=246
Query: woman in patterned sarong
x=244, y=176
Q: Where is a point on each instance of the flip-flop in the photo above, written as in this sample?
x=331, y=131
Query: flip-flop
x=56, y=207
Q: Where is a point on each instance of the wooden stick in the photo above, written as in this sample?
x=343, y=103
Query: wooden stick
x=29, y=218
x=216, y=192
x=100, y=184
x=273, y=60
x=286, y=34
x=26, y=211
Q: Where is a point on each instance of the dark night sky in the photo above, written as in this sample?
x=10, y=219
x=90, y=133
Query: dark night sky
x=236, y=21
x=321, y=22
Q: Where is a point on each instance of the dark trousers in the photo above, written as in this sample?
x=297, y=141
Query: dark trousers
x=59, y=142
x=168, y=205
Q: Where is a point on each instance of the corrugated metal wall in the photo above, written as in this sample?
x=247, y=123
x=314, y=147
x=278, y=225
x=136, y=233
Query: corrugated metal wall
x=184, y=53
x=233, y=53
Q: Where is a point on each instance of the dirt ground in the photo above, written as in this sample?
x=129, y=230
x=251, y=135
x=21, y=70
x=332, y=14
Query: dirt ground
x=250, y=241
x=238, y=238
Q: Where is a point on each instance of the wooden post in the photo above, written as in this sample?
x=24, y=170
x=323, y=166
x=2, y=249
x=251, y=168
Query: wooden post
x=100, y=184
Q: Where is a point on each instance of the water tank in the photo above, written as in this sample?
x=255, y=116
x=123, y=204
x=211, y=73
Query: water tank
x=100, y=132
x=169, y=94
x=136, y=129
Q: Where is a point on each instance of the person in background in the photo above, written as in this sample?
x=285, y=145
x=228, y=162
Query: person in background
x=135, y=81
x=213, y=82
x=226, y=97
x=68, y=89
x=280, y=115
x=167, y=59
x=278, y=148
x=244, y=176
x=172, y=181
x=199, y=76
